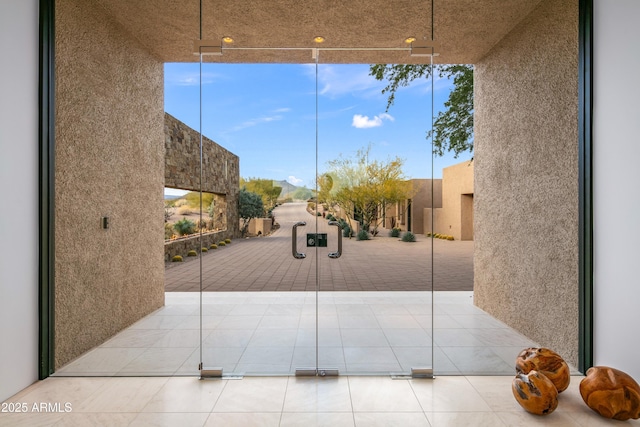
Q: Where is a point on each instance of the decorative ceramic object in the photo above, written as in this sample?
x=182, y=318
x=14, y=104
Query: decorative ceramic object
x=535, y=392
x=547, y=362
x=611, y=393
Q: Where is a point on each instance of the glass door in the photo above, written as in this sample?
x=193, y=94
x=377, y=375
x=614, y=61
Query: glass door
x=332, y=274
x=375, y=191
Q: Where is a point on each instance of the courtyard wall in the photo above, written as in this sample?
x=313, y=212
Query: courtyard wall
x=526, y=178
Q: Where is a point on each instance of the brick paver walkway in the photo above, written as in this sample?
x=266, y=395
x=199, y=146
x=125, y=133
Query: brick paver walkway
x=380, y=264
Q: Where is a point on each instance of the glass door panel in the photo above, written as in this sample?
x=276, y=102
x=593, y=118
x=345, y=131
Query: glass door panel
x=258, y=292
x=334, y=274
x=375, y=182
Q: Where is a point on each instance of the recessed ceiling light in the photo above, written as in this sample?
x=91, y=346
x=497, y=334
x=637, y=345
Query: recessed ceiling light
x=227, y=39
x=409, y=40
x=318, y=39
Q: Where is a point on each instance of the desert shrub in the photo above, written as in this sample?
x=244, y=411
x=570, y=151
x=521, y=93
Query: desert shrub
x=204, y=250
x=202, y=224
x=168, y=213
x=176, y=258
x=179, y=202
x=346, y=231
x=330, y=217
x=184, y=210
x=427, y=234
x=192, y=253
x=213, y=246
x=362, y=235
x=450, y=238
x=408, y=237
x=319, y=213
x=222, y=243
x=227, y=241
x=184, y=226
x=168, y=230
x=395, y=232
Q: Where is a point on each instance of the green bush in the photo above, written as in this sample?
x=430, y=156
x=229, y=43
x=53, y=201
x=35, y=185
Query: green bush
x=204, y=250
x=227, y=241
x=408, y=237
x=346, y=231
x=192, y=253
x=213, y=246
x=184, y=226
x=330, y=217
x=176, y=258
x=395, y=232
x=222, y=243
x=450, y=238
x=362, y=235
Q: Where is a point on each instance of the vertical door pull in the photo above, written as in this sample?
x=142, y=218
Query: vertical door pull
x=339, y=252
x=294, y=238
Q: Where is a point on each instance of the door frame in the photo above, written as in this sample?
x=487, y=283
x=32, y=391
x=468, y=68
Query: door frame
x=46, y=187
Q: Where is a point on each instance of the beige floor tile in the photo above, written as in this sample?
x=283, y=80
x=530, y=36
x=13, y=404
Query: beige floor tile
x=29, y=419
x=318, y=395
x=253, y=394
x=243, y=419
x=122, y=395
x=72, y=390
x=449, y=394
x=387, y=419
x=88, y=419
x=167, y=419
x=475, y=419
x=496, y=391
x=296, y=419
x=382, y=394
x=186, y=394
x=590, y=418
x=522, y=418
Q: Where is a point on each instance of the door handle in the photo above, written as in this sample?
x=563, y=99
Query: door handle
x=294, y=238
x=337, y=254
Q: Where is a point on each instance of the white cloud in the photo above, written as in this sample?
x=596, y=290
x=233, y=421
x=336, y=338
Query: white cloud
x=363, y=122
x=282, y=110
x=255, y=122
x=338, y=80
x=293, y=180
x=189, y=78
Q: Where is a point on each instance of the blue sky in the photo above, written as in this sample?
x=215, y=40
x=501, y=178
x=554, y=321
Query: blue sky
x=266, y=114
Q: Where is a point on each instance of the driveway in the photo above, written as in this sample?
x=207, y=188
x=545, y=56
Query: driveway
x=381, y=264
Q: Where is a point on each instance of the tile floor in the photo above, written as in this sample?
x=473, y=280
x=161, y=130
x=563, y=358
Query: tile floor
x=289, y=401
x=249, y=333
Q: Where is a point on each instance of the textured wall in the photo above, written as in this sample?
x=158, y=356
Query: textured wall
x=221, y=168
x=397, y=215
x=526, y=178
x=457, y=180
x=109, y=161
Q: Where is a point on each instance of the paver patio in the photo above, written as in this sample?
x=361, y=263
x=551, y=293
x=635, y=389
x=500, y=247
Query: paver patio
x=381, y=264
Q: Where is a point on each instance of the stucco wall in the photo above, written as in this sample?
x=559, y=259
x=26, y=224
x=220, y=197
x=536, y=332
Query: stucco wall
x=109, y=162
x=526, y=178
x=457, y=192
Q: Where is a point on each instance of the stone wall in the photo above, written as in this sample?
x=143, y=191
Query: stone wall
x=526, y=178
x=183, y=246
x=221, y=168
x=109, y=162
